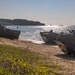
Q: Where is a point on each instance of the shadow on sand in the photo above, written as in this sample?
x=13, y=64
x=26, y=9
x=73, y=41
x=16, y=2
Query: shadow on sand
x=65, y=56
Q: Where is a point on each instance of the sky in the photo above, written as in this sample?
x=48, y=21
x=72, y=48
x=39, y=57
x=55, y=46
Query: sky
x=46, y=11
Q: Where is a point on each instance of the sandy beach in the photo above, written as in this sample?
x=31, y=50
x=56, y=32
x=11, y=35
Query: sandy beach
x=54, y=52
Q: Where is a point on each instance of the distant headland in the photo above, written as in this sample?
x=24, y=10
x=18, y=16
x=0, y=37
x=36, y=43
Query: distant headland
x=20, y=22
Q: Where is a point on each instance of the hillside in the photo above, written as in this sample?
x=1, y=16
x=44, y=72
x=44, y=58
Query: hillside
x=19, y=22
x=43, y=59
x=15, y=60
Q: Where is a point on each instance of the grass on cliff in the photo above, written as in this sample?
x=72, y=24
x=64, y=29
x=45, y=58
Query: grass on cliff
x=18, y=61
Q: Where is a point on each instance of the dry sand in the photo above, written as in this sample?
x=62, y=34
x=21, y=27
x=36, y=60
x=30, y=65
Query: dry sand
x=54, y=52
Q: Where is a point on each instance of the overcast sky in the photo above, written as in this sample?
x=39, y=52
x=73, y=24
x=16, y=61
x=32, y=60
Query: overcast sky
x=46, y=11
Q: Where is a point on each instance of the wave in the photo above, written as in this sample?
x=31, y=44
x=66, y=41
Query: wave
x=32, y=33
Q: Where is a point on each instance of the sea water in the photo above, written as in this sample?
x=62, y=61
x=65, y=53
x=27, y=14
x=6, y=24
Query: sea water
x=32, y=33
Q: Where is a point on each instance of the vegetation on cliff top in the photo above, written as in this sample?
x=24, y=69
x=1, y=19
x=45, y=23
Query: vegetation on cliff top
x=19, y=22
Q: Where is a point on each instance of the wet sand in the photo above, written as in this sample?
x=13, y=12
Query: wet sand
x=54, y=52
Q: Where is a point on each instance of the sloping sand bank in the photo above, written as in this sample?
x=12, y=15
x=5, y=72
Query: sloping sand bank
x=54, y=52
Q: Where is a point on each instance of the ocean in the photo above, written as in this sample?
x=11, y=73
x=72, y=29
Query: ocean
x=32, y=33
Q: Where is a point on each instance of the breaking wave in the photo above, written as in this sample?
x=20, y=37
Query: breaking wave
x=32, y=33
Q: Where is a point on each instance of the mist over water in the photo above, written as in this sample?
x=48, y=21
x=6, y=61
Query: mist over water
x=32, y=33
